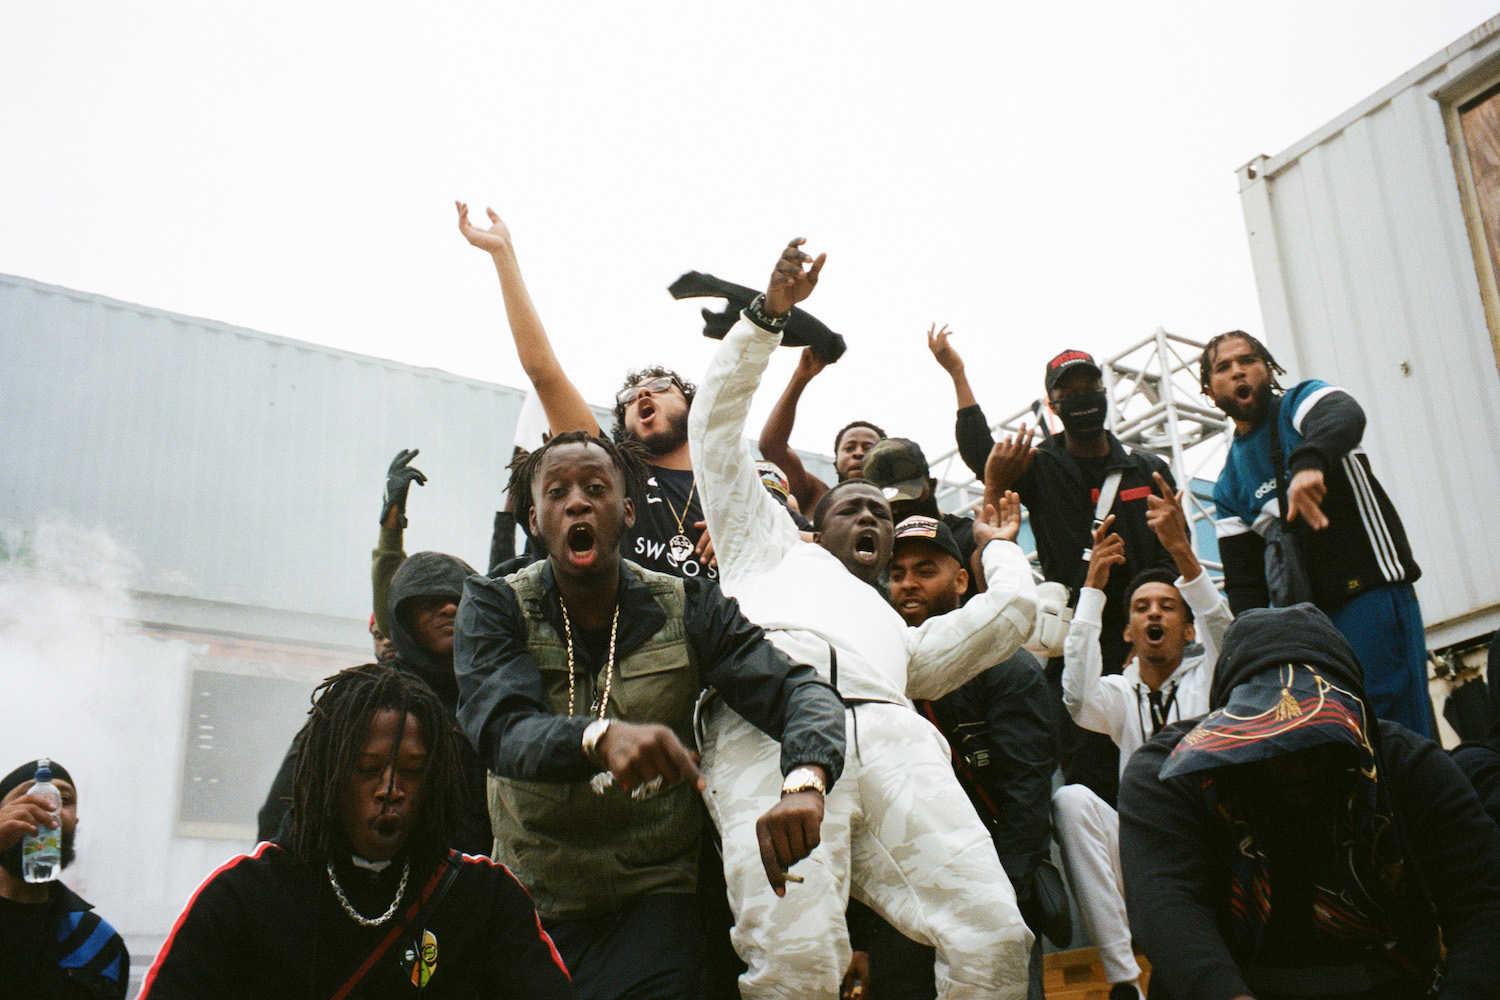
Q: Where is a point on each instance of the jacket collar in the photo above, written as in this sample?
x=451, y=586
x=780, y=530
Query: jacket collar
x=1118, y=458
x=641, y=616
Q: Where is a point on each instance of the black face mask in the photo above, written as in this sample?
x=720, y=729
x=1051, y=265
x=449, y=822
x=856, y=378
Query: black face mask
x=1082, y=413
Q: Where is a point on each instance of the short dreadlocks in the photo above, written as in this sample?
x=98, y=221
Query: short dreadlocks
x=343, y=707
x=1206, y=360
x=628, y=456
x=689, y=390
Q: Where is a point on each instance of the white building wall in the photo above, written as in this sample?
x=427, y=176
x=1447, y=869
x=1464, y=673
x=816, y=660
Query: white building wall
x=1367, y=279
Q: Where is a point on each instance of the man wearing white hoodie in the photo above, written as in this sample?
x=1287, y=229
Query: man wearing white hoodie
x=1158, y=685
x=898, y=831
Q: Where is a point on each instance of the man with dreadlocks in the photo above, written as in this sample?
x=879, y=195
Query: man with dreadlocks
x=364, y=897
x=1289, y=844
x=1295, y=469
x=578, y=678
x=651, y=409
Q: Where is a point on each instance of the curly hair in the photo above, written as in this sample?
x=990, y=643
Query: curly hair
x=343, y=707
x=1257, y=349
x=838, y=438
x=627, y=455
x=689, y=390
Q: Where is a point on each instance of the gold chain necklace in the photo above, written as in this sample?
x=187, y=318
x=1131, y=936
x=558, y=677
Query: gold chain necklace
x=360, y=918
x=609, y=664
x=680, y=546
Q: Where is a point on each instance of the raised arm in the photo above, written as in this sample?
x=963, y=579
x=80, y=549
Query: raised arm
x=561, y=400
x=751, y=532
x=775, y=436
x=1165, y=515
x=389, y=552
x=1093, y=704
x=1009, y=460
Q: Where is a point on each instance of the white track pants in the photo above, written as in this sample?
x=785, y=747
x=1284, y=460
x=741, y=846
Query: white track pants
x=1089, y=832
x=898, y=831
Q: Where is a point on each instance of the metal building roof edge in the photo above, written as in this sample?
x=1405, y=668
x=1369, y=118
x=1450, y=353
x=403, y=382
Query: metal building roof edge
x=217, y=326
x=1265, y=167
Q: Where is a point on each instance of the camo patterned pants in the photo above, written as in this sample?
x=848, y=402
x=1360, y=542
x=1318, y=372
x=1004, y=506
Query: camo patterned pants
x=898, y=832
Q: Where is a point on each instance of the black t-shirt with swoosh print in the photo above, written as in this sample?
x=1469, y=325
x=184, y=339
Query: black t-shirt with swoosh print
x=669, y=506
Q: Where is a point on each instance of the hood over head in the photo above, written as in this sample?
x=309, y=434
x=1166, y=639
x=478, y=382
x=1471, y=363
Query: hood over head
x=426, y=574
x=1286, y=680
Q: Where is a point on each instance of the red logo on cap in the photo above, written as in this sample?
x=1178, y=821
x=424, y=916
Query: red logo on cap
x=1067, y=356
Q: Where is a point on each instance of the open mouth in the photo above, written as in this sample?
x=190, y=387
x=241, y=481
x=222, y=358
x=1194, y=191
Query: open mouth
x=1155, y=633
x=581, y=544
x=1243, y=393
x=865, y=547
x=646, y=409
x=386, y=825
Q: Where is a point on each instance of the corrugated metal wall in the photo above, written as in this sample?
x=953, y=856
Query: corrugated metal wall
x=239, y=467
x=1367, y=280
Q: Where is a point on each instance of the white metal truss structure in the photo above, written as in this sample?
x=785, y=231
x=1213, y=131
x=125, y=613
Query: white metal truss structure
x=1155, y=403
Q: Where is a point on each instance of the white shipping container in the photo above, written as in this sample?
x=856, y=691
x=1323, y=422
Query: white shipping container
x=1374, y=247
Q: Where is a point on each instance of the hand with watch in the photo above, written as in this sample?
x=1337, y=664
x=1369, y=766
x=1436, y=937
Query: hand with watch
x=792, y=828
x=789, y=285
x=642, y=758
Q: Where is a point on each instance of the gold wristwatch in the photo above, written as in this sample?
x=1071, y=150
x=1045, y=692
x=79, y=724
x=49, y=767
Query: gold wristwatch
x=803, y=779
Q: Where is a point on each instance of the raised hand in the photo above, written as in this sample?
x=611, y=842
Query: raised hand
x=791, y=284
x=998, y=521
x=495, y=239
x=1009, y=459
x=937, y=343
x=635, y=754
x=1165, y=515
x=21, y=814
x=809, y=365
x=398, y=480
x=1107, y=553
x=1304, y=498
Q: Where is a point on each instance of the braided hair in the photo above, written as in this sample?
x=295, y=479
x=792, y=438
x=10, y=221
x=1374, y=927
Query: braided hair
x=343, y=707
x=689, y=390
x=1257, y=349
x=627, y=455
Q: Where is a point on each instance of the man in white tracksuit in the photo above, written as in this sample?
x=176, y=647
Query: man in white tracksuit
x=898, y=831
x=1157, y=686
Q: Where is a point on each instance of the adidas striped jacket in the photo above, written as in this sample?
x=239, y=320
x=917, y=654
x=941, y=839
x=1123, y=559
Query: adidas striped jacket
x=1364, y=545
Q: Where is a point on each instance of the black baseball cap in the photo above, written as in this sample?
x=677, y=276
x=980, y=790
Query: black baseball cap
x=920, y=527
x=898, y=467
x=1068, y=361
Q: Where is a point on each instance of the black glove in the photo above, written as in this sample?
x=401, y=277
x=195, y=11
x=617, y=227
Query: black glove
x=398, y=480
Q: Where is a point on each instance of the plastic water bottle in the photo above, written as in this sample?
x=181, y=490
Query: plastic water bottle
x=41, y=852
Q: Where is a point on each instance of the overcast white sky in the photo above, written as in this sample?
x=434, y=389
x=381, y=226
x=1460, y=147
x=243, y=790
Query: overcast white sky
x=1037, y=176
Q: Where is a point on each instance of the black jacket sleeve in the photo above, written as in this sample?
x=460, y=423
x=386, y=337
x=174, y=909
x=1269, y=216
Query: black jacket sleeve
x=1023, y=726
x=1457, y=848
x=502, y=704
x=278, y=804
x=502, y=541
x=522, y=962
x=974, y=439
x=1171, y=871
x=787, y=701
x=1331, y=429
x=1244, y=558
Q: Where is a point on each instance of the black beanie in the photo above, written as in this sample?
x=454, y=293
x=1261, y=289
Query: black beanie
x=27, y=771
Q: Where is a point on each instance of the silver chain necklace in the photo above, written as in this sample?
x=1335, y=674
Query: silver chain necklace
x=359, y=918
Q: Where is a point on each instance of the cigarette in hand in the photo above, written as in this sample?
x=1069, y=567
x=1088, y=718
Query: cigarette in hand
x=793, y=877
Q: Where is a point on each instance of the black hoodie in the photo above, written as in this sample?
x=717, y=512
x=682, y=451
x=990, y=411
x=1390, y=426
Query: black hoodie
x=1176, y=882
x=425, y=574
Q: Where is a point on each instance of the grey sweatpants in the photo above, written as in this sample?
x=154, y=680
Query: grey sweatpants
x=898, y=832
